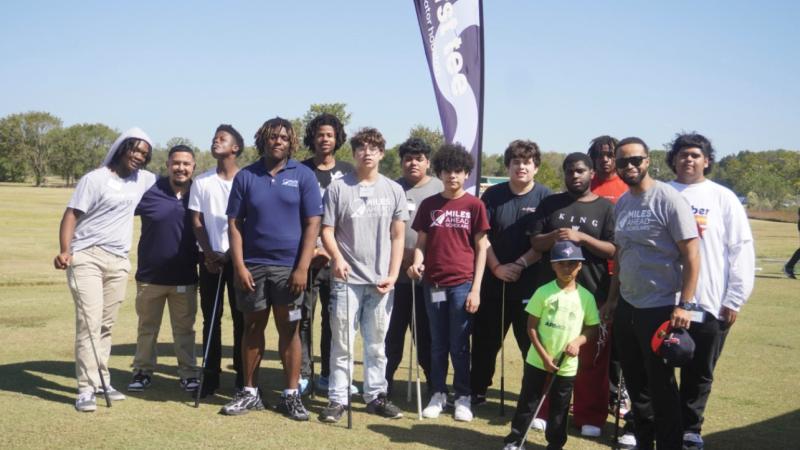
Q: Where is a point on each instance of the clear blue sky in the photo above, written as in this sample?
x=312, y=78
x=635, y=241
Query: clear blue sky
x=558, y=73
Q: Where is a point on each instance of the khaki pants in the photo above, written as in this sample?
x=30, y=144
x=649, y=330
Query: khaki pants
x=182, y=301
x=97, y=280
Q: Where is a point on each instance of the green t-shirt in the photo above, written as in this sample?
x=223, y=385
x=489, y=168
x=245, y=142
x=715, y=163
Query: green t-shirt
x=561, y=317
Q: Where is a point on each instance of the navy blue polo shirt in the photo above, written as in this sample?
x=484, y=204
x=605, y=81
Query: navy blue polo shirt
x=272, y=210
x=167, y=247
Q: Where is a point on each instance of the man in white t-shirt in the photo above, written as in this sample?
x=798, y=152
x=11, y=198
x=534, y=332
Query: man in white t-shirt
x=727, y=274
x=208, y=201
x=95, y=238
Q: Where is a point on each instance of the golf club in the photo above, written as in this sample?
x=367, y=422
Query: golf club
x=71, y=271
x=410, y=352
x=349, y=359
x=541, y=400
x=312, y=385
x=199, y=390
x=615, y=443
x=415, y=354
x=503, y=353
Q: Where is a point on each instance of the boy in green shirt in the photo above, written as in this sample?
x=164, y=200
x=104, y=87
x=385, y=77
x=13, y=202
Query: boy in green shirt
x=563, y=316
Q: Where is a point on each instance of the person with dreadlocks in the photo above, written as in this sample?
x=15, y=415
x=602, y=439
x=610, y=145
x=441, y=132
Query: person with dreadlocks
x=324, y=136
x=587, y=219
x=274, y=214
x=95, y=237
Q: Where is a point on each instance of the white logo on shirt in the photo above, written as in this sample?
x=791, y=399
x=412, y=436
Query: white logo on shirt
x=290, y=183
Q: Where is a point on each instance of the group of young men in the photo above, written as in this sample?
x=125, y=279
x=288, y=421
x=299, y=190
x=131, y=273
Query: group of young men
x=420, y=252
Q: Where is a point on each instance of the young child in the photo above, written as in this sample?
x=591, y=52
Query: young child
x=563, y=316
x=451, y=238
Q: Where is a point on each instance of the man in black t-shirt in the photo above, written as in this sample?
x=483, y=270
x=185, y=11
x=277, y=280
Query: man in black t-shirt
x=510, y=259
x=587, y=219
x=324, y=135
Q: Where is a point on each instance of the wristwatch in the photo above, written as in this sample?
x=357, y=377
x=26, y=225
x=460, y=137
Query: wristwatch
x=688, y=305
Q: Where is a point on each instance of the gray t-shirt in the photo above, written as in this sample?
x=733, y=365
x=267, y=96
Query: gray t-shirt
x=414, y=196
x=107, y=203
x=361, y=215
x=648, y=228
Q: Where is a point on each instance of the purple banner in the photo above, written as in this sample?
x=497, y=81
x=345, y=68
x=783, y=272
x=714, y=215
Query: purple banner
x=452, y=34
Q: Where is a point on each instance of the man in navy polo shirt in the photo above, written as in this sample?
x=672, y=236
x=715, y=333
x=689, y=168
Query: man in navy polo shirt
x=167, y=271
x=273, y=221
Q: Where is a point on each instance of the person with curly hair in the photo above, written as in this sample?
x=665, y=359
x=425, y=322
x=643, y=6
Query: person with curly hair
x=451, y=254
x=324, y=136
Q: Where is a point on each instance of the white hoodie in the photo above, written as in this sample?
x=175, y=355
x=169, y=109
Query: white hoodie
x=108, y=202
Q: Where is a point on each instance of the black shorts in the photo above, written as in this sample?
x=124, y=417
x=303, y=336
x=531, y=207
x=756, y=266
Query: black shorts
x=272, y=288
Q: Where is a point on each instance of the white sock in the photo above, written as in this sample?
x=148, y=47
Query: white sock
x=288, y=392
x=251, y=390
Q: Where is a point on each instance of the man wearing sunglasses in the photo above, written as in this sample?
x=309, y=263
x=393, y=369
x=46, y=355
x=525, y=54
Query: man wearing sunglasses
x=657, y=265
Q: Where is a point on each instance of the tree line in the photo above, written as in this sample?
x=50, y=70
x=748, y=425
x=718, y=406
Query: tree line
x=35, y=145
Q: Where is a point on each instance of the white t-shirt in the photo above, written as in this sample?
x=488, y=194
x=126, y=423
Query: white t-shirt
x=727, y=256
x=107, y=203
x=209, y=195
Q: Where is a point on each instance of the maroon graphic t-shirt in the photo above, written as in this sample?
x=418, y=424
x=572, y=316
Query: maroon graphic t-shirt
x=450, y=225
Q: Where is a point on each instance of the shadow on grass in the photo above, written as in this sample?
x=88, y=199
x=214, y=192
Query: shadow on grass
x=31, y=378
x=438, y=436
x=778, y=432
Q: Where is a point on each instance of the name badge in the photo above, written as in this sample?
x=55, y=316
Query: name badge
x=114, y=184
x=696, y=313
x=438, y=295
x=366, y=191
x=411, y=205
x=295, y=315
x=181, y=289
x=698, y=316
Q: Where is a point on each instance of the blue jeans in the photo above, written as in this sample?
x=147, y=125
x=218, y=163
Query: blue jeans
x=370, y=311
x=451, y=327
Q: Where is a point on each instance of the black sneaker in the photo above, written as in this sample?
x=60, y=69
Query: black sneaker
x=243, y=402
x=332, y=413
x=478, y=399
x=140, y=382
x=788, y=271
x=292, y=407
x=190, y=384
x=381, y=406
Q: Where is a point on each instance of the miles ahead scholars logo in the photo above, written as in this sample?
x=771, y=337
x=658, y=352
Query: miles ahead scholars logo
x=451, y=219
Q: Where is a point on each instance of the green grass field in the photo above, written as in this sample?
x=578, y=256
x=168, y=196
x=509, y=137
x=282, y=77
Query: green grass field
x=754, y=404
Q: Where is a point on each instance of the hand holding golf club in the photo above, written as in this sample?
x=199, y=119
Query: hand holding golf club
x=415, y=271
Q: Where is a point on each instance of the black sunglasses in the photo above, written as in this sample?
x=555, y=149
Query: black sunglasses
x=622, y=163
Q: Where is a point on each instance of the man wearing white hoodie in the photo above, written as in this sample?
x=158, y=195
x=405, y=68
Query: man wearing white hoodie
x=727, y=274
x=95, y=238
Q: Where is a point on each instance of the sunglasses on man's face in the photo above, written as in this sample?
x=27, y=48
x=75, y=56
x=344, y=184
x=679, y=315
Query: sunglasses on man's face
x=636, y=161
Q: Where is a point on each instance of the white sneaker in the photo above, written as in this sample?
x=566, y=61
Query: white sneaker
x=627, y=441
x=590, y=431
x=86, y=402
x=539, y=425
x=463, y=412
x=113, y=394
x=435, y=406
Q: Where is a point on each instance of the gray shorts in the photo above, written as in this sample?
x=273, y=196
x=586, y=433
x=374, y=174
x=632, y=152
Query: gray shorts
x=272, y=288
